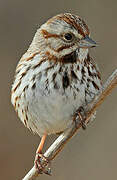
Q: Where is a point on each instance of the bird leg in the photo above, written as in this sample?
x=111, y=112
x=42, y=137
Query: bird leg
x=81, y=115
x=39, y=158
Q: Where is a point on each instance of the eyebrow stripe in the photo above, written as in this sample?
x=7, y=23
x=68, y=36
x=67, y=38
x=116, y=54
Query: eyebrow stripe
x=47, y=35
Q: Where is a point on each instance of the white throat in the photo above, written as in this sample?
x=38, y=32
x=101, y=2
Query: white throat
x=82, y=53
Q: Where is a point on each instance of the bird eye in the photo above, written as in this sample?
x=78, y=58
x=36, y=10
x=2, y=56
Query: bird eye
x=68, y=36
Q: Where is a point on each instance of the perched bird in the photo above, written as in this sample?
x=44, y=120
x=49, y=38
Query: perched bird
x=55, y=77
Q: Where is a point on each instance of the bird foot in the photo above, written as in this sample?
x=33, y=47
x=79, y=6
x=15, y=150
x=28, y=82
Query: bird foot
x=42, y=164
x=80, y=113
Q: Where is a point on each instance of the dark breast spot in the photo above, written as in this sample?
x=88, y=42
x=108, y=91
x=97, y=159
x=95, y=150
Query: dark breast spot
x=95, y=85
x=70, y=58
x=54, y=76
x=83, y=71
x=34, y=86
x=73, y=75
x=78, y=68
x=56, y=86
x=25, y=88
x=34, y=77
x=81, y=82
x=88, y=80
x=65, y=80
x=26, y=117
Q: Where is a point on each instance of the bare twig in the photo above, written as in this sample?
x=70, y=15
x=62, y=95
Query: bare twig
x=59, y=143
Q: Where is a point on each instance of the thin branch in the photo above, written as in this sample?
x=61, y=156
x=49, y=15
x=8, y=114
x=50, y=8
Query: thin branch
x=59, y=143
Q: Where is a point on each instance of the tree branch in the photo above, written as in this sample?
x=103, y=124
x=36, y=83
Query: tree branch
x=59, y=143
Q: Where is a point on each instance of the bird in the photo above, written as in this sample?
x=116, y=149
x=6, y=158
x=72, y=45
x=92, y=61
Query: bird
x=55, y=77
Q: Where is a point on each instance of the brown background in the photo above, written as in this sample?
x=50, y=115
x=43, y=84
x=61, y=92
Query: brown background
x=91, y=154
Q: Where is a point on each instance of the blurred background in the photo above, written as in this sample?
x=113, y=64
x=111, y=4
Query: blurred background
x=91, y=154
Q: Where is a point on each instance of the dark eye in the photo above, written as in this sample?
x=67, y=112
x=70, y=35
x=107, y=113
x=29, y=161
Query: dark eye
x=68, y=36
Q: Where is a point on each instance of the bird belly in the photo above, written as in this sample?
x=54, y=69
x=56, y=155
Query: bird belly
x=53, y=113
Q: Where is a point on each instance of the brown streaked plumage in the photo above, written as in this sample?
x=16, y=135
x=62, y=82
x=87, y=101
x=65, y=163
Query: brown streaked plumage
x=55, y=77
x=73, y=20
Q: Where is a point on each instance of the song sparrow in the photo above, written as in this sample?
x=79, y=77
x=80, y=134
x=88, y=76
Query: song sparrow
x=55, y=77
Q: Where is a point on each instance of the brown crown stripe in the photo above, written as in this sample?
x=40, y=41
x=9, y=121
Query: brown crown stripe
x=46, y=34
x=73, y=21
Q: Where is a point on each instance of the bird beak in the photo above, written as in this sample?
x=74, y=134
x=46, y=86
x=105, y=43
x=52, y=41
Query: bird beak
x=87, y=42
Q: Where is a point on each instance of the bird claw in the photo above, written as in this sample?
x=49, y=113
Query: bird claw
x=42, y=168
x=80, y=113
